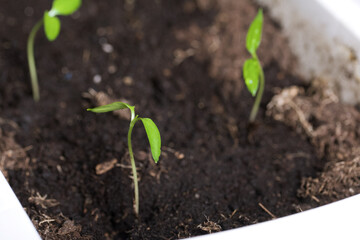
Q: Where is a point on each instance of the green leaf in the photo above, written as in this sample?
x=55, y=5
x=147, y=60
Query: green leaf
x=112, y=107
x=65, y=7
x=251, y=73
x=154, y=137
x=51, y=26
x=253, y=37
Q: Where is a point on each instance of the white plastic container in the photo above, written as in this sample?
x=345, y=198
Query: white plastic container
x=14, y=222
x=325, y=36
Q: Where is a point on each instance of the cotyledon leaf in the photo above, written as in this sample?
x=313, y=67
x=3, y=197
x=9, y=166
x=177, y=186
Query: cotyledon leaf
x=51, y=26
x=153, y=135
x=112, y=107
x=251, y=73
x=65, y=7
x=253, y=37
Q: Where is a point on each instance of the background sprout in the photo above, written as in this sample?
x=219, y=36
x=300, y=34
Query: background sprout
x=152, y=133
x=52, y=27
x=252, y=71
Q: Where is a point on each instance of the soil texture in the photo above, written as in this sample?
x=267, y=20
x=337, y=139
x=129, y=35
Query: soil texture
x=179, y=62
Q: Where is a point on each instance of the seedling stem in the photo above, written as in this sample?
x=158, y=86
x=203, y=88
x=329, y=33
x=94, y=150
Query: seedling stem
x=133, y=167
x=31, y=59
x=259, y=94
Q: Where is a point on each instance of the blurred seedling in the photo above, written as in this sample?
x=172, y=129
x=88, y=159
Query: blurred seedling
x=52, y=27
x=252, y=71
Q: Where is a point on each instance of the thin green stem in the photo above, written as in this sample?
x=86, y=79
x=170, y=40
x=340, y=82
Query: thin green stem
x=133, y=166
x=31, y=60
x=259, y=94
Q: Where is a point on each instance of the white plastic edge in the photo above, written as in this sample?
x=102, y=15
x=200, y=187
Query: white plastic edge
x=325, y=37
x=338, y=220
x=346, y=14
x=336, y=26
x=14, y=222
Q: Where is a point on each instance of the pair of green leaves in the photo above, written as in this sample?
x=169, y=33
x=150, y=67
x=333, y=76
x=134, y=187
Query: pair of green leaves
x=52, y=23
x=252, y=67
x=151, y=129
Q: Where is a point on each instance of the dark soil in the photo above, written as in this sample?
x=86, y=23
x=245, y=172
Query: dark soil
x=180, y=63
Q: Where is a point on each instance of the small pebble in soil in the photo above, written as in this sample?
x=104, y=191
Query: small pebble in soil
x=197, y=196
x=112, y=69
x=97, y=79
x=104, y=167
x=58, y=167
x=108, y=48
x=128, y=80
x=179, y=155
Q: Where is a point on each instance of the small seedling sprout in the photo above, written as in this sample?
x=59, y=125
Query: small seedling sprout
x=152, y=133
x=52, y=29
x=252, y=71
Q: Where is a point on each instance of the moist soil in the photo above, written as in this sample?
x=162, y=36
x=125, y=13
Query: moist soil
x=179, y=62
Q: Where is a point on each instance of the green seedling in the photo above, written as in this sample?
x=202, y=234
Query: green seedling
x=252, y=71
x=152, y=132
x=52, y=29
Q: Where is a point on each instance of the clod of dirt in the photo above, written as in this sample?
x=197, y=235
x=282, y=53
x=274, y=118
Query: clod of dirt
x=333, y=128
x=180, y=63
x=69, y=227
